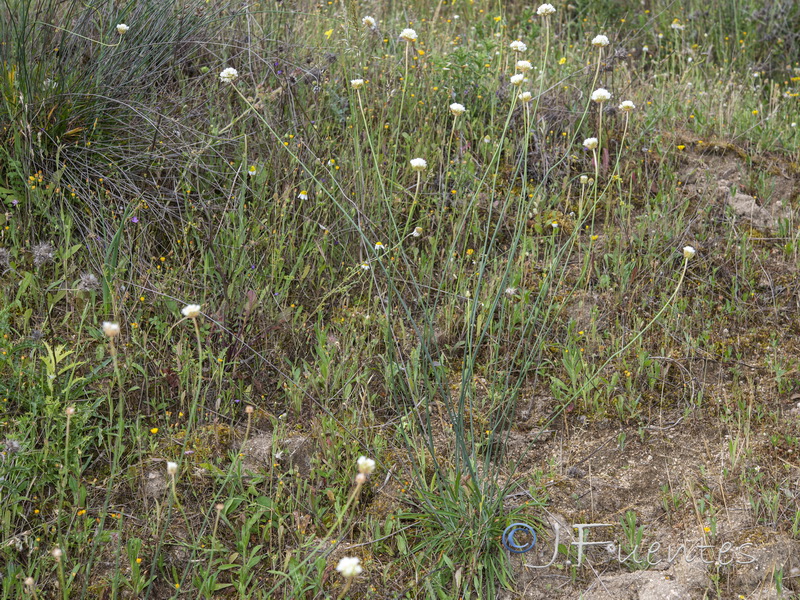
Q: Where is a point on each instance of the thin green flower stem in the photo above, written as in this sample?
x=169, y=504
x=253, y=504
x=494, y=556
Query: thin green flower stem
x=544, y=64
x=400, y=114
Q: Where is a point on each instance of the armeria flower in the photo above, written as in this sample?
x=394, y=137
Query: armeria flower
x=590, y=143
x=356, y=83
x=349, y=566
x=584, y=178
x=601, y=95
x=518, y=46
x=517, y=79
x=303, y=195
x=688, y=252
x=627, y=106
x=228, y=75
x=408, y=35
x=122, y=29
x=523, y=66
x=172, y=467
x=545, y=10
x=525, y=97
x=368, y=22
x=365, y=465
x=111, y=329
x=418, y=164
x=457, y=109
x=600, y=41
x=192, y=311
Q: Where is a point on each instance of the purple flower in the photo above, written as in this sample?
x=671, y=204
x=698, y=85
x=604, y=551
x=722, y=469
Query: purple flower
x=134, y=219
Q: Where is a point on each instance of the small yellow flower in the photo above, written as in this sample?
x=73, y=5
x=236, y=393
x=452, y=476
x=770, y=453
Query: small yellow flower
x=470, y=251
x=681, y=146
x=154, y=430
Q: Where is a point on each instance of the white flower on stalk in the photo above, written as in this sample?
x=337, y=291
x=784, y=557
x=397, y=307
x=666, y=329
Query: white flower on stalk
x=356, y=83
x=349, y=567
x=518, y=46
x=172, y=467
x=228, y=75
x=523, y=66
x=122, y=29
x=417, y=232
x=379, y=246
x=365, y=465
x=408, y=35
x=584, y=178
x=191, y=311
x=600, y=41
x=688, y=252
x=590, y=143
x=627, y=106
x=365, y=266
x=545, y=10
x=525, y=97
x=303, y=195
x=368, y=22
x=111, y=329
x=677, y=26
x=517, y=79
x=418, y=164
x=457, y=109
x=601, y=95
x=252, y=170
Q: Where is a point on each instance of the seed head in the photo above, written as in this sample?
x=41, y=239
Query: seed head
x=365, y=465
x=545, y=10
x=191, y=311
x=457, y=109
x=42, y=254
x=111, y=329
x=349, y=567
x=601, y=95
x=408, y=35
x=228, y=75
x=419, y=164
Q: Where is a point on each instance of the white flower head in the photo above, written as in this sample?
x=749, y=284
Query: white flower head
x=349, y=566
x=122, y=29
x=379, y=246
x=457, y=109
x=408, y=35
x=600, y=41
x=590, y=143
x=228, y=75
x=356, y=83
x=57, y=553
x=677, y=26
x=511, y=291
x=601, y=95
x=192, y=311
x=584, y=179
x=525, y=97
x=172, y=467
x=518, y=46
x=545, y=9
x=418, y=164
x=365, y=266
x=523, y=66
x=303, y=195
x=252, y=170
x=417, y=231
x=110, y=329
x=368, y=22
x=627, y=106
x=365, y=465
x=688, y=252
x=517, y=79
